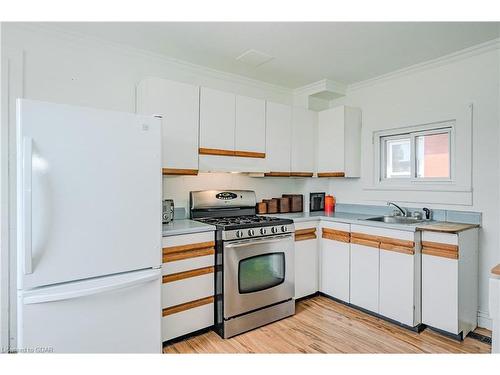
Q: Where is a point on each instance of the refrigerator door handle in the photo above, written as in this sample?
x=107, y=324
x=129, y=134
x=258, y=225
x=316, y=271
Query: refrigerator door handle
x=27, y=203
x=59, y=296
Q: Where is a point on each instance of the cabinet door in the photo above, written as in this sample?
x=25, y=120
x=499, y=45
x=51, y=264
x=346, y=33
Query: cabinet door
x=397, y=286
x=331, y=140
x=440, y=293
x=217, y=119
x=304, y=130
x=250, y=124
x=364, y=276
x=178, y=104
x=306, y=268
x=335, y=259
x=278, y=137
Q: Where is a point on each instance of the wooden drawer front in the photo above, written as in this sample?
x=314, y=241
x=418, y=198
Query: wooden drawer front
x=186, y=239
x=305, y=234
x=384, y=232
x=188, y=264
x=183, y=287
x=188, y=320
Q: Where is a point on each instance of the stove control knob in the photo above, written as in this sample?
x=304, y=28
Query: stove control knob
x=284, y=228
x=274, y=229
x=263, y=231
x=239, y=233
x=251, y=232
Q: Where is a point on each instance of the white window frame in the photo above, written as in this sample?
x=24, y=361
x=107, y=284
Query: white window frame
x=381, y=137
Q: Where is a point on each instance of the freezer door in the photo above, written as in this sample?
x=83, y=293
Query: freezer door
x=114, y=314
x=89, y=193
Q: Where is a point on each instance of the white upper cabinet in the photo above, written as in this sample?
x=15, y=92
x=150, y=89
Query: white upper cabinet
x=304, y=133
x=250, y=133
x=217, y=119
x=278, y=137
x=339, y=142
x=178, y=104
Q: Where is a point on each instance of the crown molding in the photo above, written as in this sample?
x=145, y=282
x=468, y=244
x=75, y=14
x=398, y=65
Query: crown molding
x=324, y=84
x=92, y=42
x=475, y=50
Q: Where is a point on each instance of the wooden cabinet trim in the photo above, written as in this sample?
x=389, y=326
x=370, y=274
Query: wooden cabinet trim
x=215, y=151
x=238, y=153
x=250, y=154
x=336, y=235
x=174, y=253
x=187, y=306
x=187, y=274
x=277, y=174
x=440, y=246
x=331, y=174
x=191, y=246
x=301, y=174
x=397, y=248
x=365, y=242
x=179, y=172
x=386, y=240
x=496, y=270
x=188, y=254
x=305, y=237
x=442, y=250
x=305, y=234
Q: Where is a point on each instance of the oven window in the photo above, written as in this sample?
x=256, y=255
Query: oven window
x=261, y=272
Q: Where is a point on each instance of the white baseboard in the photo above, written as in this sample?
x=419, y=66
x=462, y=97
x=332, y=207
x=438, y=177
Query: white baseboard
x=484, y=320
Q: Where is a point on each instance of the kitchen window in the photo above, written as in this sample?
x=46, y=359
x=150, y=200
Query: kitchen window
x=422, y=154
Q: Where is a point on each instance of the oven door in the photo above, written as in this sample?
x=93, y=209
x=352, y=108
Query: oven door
x=257, y=273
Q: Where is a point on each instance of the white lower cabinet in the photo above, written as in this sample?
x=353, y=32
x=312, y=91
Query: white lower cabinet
x=399, y=287
x=364, y=276
x=335, y=260
x=449, y=281
x=188, y=284
x=306, y=259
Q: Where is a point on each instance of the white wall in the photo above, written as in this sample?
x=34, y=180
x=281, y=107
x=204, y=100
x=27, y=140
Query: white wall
x=407, y=98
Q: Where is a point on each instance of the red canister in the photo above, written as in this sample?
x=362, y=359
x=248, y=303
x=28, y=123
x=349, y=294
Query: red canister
x=329, y=203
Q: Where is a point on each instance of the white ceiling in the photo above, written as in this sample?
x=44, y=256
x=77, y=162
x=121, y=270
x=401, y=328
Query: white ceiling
x=303, y=52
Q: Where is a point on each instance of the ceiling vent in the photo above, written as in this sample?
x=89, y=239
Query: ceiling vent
x=254, y=58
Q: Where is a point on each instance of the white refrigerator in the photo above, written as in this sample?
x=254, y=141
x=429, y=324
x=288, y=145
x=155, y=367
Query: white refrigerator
x=89, y=230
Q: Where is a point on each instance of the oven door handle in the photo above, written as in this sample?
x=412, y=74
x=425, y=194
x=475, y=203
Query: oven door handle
x=255, y=241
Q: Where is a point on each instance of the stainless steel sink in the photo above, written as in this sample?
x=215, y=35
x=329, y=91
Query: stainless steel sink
x=396, y=219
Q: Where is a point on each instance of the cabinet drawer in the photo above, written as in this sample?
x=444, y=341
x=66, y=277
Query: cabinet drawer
x=188, y=264
x=336, y=226
x=186, y=239
x=176, y=290
x=187, y=321
x=445, y=238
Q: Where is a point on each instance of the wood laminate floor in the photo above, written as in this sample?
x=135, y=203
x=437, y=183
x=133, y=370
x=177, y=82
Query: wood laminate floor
x=321, y=325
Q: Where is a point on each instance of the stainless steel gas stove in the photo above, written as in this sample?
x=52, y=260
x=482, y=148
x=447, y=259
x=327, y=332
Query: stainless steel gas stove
x=254, y=278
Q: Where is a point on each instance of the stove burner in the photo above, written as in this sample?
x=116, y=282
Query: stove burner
x=239, y=220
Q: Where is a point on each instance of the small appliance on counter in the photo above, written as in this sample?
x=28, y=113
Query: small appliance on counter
x=316, y=202
x=168, y=211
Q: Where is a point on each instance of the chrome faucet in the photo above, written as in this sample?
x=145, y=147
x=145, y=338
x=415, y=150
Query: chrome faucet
x=403, y=212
